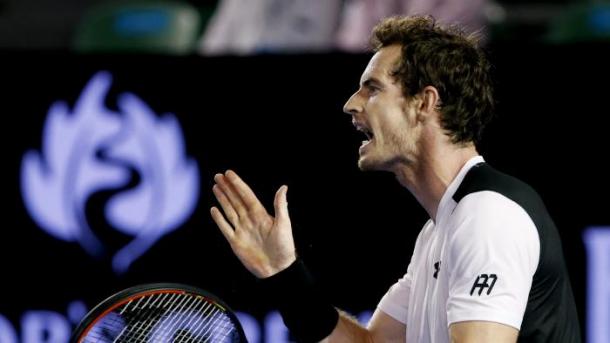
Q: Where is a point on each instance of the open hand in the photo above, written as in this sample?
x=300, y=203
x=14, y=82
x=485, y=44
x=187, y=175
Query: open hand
x=263, y=243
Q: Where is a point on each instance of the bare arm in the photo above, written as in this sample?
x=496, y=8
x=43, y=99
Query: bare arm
x=381, y=328
x=481, y=331
x=265, y=246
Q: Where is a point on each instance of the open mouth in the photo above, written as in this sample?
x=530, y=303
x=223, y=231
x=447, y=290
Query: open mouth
x=367, y=132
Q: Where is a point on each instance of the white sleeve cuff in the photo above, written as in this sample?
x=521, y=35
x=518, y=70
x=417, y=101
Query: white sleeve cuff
x=397, y=312
x=510, y=319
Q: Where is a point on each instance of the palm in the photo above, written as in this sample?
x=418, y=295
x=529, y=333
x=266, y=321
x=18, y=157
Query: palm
x=263, y=243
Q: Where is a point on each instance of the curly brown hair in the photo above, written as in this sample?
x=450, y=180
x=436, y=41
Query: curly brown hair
x=447, y=59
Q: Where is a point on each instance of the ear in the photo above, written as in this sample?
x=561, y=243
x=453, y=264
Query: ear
x=430, y=101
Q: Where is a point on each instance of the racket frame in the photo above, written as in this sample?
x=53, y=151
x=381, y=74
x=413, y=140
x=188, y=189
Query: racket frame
x=122, y=297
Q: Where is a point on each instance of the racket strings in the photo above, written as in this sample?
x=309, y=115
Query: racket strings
x=165, y=317
x=194, y=321
x=118, y=323
x=142, y=326
x=193, y=329
x=144, y=317
x=195, y=324
x=147, y=317
x=112, y=325
x=166, y=327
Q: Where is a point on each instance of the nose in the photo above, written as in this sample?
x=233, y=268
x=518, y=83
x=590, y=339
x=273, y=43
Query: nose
x=353, y=105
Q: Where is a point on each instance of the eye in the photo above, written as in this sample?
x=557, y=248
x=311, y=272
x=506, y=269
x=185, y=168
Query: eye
x=373, y=89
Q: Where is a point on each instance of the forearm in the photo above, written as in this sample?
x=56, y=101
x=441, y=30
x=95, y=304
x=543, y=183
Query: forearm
x=265, y=246
x=482, y=331
x=348, y=330
x=311, y=317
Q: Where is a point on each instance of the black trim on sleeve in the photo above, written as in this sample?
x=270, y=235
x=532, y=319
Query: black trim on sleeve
x=550, y=314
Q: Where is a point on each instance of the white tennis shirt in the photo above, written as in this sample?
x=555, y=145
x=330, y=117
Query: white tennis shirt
x=474, y=262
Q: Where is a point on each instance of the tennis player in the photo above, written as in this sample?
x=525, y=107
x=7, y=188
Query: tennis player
x=487, y=267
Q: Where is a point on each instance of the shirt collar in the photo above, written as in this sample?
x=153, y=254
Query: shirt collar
x=453, y=186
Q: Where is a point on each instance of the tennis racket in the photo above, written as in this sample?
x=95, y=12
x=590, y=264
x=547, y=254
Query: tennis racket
x=160, y=313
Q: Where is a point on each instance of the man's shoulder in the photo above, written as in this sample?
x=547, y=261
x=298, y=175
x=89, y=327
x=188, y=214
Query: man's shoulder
x=482, y=177
x=487, y=197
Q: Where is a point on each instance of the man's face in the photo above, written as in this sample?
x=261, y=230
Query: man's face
x=380, y=109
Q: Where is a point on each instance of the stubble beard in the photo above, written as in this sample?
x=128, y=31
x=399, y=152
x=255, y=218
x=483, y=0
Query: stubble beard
x=376, y=161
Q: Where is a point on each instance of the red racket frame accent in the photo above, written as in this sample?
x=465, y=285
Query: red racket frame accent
x=121, y=303
x=124, y=296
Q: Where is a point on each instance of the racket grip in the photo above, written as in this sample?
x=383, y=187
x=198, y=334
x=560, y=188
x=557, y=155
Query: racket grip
x=305, y=309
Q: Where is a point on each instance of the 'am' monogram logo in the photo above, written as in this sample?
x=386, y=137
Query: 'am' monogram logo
x=482, y=282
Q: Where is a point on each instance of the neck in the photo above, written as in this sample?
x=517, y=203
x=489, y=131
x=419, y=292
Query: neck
x=428, y=177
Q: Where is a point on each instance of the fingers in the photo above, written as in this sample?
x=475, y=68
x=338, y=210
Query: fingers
x=225, y=204
x=280, y=203
x=240, y=195
x=231, y=195
x=222, y=224
x=245, y=193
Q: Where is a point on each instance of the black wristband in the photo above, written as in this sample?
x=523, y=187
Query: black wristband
x=307, y=313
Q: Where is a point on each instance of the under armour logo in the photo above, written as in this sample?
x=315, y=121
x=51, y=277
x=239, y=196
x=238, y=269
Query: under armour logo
x=481, y=283
x=437, y=268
